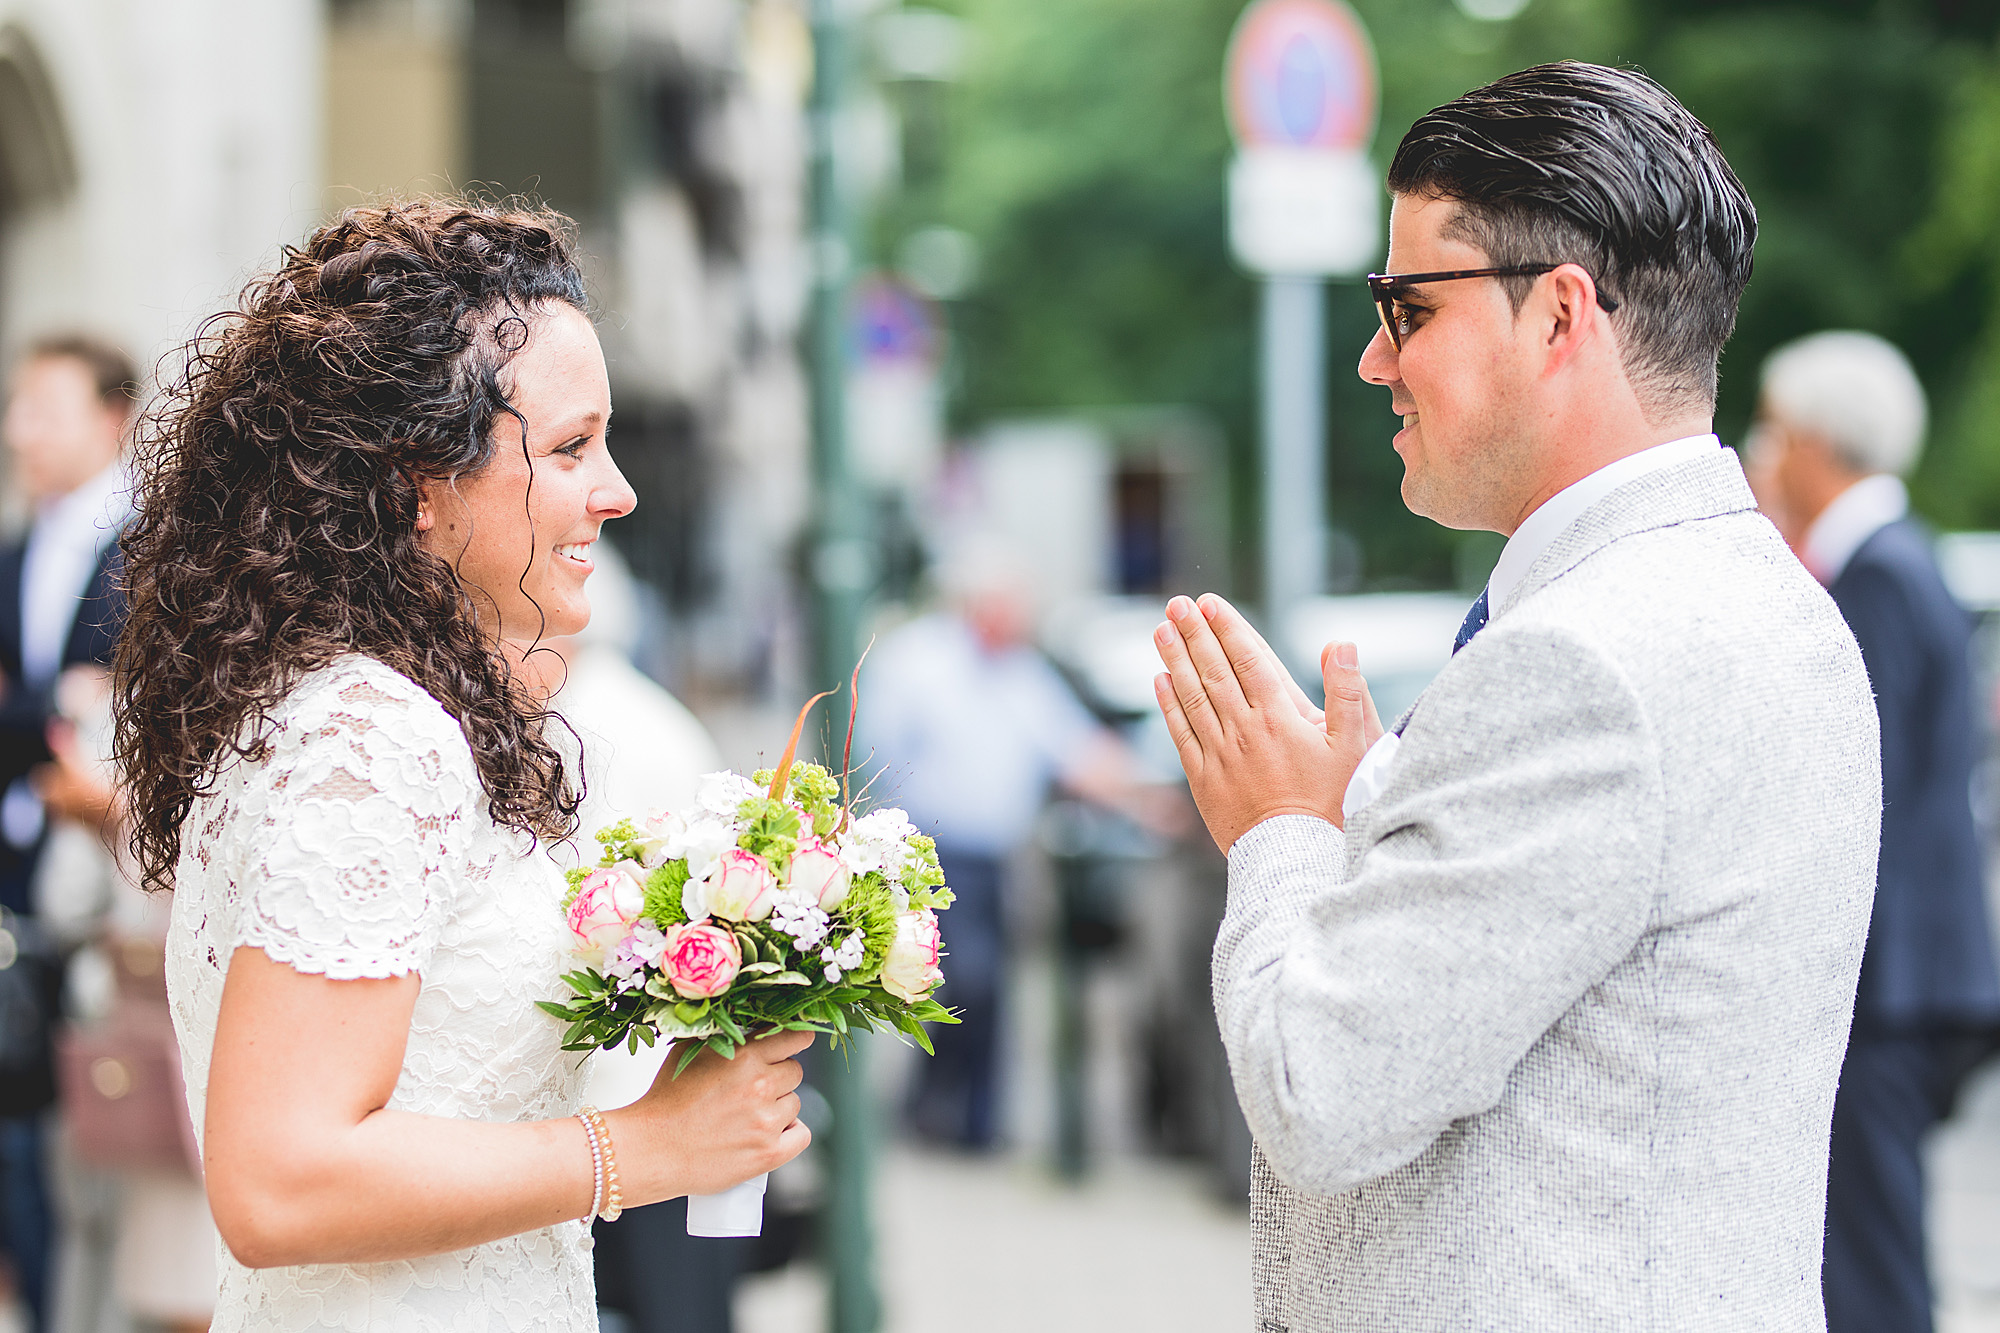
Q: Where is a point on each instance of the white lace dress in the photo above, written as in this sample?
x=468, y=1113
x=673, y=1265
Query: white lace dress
x=361, y=847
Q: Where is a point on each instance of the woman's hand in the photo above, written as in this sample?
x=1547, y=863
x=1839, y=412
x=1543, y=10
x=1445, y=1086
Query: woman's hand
x=716, y=1124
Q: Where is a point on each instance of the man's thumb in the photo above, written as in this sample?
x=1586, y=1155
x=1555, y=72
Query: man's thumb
x=1346, y=691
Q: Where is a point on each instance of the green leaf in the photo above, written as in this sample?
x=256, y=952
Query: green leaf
x=785, y=978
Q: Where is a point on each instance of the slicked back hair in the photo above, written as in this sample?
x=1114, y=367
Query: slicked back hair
x=1576, y=163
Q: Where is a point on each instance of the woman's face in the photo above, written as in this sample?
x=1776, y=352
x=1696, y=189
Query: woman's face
x=520, y=532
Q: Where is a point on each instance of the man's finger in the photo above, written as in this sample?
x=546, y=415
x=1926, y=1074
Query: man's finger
x=1189, y=689
x=1257, y=668
x=1211, y=663
x=1185, y=744
x=1348, y=706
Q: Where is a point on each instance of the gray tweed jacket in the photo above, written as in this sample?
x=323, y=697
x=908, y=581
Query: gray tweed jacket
x=1548, y=1038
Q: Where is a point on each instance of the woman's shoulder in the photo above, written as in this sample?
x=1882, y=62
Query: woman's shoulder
x=360, y=703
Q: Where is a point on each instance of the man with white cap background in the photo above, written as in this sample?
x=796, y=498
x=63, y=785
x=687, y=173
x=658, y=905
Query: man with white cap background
x=1842, y=419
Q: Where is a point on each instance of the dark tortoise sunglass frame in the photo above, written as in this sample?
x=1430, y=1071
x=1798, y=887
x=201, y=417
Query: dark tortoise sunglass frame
x=1383, y=288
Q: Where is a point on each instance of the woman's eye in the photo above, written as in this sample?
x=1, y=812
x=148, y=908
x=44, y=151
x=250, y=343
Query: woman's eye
x=573, y=449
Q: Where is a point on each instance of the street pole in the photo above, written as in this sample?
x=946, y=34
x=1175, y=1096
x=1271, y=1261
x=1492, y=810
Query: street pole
x=839, y=570
x=1293, y=353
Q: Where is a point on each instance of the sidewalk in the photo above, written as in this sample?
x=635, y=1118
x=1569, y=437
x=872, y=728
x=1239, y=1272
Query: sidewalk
x=1964, y=1167
x=996, y=1245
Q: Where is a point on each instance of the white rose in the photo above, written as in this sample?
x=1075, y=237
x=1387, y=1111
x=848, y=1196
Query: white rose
x=742, y=888
x=818, y=872
x=607, y=903
x=910, y=971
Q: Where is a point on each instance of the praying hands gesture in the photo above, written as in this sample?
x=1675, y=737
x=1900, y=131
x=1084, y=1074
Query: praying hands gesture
x=1253, y=744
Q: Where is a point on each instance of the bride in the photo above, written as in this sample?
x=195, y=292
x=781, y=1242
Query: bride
x=379, y=480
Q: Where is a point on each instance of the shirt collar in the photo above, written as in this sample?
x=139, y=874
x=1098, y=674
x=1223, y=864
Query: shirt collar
x=1856, y=514
x=1540, y=529
x=100, y=506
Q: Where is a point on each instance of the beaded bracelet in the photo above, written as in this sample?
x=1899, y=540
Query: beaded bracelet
x=613, y=1199
x=596, y=1161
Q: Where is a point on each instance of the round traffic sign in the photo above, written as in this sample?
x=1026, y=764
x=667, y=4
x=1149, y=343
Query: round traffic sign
x=1301, y=74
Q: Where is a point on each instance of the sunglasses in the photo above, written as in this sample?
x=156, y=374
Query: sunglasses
x=1384, y=287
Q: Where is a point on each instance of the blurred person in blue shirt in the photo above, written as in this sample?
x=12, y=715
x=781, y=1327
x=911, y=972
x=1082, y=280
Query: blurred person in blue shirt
x=971, y=727
x=1842, y=417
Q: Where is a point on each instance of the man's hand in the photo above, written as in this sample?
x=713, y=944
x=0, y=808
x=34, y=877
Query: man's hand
x=1251, y=742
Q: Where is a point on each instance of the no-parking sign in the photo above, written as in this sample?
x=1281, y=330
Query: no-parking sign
x=1302, y=97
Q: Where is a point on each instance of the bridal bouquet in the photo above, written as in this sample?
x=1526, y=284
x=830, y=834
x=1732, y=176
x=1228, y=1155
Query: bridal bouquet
x=768, y=906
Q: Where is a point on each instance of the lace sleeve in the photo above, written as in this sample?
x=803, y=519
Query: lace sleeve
x=356, y=827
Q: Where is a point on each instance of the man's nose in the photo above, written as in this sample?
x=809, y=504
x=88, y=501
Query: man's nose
x=1380, y=362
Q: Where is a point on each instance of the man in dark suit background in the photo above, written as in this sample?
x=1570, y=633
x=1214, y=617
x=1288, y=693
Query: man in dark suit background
x=1842, y=418
x=68, y=415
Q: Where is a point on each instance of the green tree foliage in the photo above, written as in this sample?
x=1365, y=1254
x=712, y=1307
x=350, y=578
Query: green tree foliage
x=1085, y=149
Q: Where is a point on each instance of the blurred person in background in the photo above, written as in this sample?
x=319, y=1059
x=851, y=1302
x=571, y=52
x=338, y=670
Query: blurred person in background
x=65, y=429
x=641, y=750
x=971, y=725
x=138, y=1240
x=1840, y=422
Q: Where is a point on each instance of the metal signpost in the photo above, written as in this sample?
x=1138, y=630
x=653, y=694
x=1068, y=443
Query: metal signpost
x=840, y=571
x=1304, y=205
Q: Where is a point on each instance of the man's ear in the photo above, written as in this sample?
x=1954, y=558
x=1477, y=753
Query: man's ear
x=1572, y=309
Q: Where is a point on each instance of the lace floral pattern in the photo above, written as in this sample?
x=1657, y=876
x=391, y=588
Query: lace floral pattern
x=361, y=847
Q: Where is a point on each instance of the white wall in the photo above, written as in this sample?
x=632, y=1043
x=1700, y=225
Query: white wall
x=195, y=129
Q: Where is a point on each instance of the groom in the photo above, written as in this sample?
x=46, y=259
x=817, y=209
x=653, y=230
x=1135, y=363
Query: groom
x=1536, y=1010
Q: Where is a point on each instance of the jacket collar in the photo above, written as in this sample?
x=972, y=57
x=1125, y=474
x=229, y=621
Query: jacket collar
x=1706, y=487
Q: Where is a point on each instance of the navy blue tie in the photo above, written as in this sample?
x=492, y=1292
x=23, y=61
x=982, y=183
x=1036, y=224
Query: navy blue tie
x=1475, y=621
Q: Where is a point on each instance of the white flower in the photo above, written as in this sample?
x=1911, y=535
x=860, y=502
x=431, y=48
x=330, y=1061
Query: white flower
x=844, y=957
x=640, y=949
x=798, y=916
x=879, y=840
x=657, y=834
x=702, y=842
x=721, y=795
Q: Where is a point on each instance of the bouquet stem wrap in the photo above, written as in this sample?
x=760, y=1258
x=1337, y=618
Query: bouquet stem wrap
x=734, y=1212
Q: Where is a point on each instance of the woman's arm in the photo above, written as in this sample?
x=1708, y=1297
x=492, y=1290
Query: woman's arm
x=306, y=1165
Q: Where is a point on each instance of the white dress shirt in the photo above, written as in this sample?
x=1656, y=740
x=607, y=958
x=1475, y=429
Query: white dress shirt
x=1856, y=514
x=1538, y=531
x=969, y=739
x=68, y=539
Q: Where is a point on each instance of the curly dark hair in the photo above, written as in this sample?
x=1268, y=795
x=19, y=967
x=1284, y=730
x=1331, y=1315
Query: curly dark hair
x=277, y=497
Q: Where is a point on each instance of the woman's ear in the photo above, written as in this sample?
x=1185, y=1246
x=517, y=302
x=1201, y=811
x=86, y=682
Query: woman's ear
x=426, y=507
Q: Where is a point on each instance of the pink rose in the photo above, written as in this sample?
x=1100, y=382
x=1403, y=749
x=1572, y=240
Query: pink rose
x=701, y=961
x=740, y=887
x=911, y=971
x=817, y=869
x=607, y=902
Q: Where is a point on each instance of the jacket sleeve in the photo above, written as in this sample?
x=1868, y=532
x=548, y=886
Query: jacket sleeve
x=1508, y=866
x=1896, y=648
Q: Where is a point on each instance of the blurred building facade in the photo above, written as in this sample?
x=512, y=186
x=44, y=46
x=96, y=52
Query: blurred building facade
x=150, y=156
x=674, y=132
x=153, y=156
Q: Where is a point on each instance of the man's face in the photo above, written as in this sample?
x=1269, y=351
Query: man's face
x=1462, y=382
x=59, y=431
